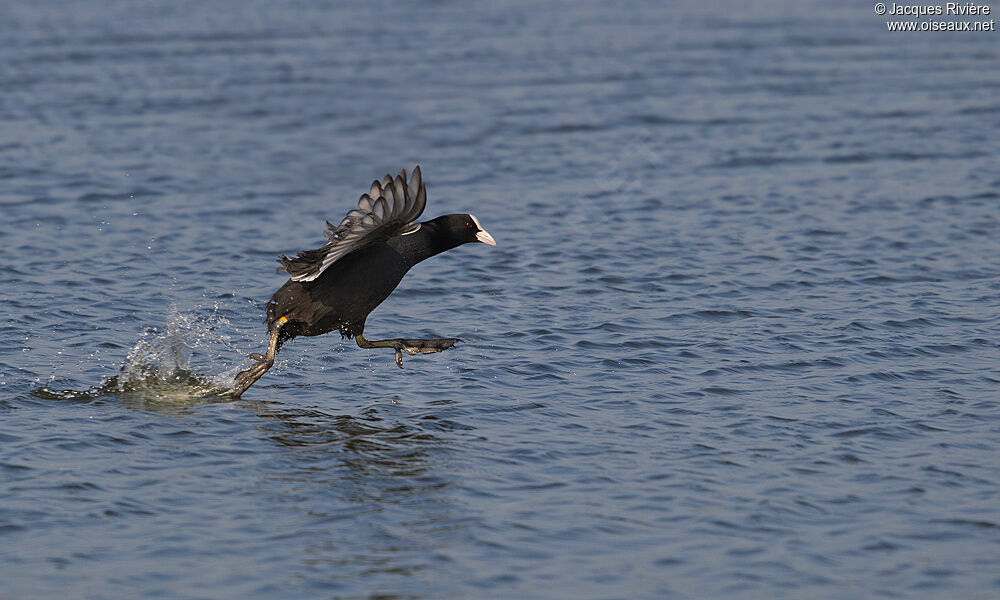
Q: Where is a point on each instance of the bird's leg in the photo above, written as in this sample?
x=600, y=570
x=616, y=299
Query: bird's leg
x=411, y=347
x=244, y=379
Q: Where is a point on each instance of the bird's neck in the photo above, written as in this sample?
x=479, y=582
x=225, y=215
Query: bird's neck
x=423, y=243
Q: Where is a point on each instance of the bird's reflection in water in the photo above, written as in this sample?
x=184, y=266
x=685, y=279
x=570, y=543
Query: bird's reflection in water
x=376, y=491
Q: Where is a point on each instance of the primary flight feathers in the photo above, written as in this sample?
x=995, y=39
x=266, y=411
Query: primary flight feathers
x=389, y=208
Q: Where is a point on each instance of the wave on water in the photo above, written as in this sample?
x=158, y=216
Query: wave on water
x=158, y=369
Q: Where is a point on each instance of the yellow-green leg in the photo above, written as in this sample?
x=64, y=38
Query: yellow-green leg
x=244, y=379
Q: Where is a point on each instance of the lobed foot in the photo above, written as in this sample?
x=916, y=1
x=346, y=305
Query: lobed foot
x=409, y=346
x=414, y=347
x=244, y=379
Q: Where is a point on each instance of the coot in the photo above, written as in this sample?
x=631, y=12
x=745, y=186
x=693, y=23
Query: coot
x=336, y=286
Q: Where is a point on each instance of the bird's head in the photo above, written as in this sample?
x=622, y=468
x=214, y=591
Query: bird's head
x=463, y=229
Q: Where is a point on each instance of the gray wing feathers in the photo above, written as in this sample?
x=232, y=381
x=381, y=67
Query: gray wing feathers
x=389, y=208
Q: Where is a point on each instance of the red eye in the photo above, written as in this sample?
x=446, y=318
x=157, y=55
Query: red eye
x=468, y=225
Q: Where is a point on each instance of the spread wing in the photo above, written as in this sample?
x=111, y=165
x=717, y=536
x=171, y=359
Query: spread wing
x=388, y=209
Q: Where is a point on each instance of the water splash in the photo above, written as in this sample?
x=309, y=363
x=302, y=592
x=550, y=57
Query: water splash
x=158, y=370
x=164, y=355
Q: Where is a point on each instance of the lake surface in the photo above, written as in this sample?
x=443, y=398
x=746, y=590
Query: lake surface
x=738, y=339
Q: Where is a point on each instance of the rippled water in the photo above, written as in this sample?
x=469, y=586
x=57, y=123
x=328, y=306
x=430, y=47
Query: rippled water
x=739, y=337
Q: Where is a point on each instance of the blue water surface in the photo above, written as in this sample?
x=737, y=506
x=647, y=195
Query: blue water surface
x=738, y=338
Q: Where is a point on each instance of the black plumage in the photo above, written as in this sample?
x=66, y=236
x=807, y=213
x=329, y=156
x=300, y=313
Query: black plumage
x=336, y=286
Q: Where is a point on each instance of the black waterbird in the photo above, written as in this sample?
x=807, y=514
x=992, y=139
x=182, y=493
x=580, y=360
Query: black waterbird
x=336, y=286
